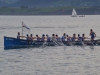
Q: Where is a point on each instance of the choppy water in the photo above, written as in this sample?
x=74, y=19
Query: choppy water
x=50, y=60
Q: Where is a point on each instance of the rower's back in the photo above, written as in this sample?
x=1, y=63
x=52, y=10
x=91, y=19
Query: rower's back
x=74, y=37
x=53, y=37
x=37, y=38
x=48, y=38
x=58, y=38
x=64, y=37
x=79, y=37
x=43, y=37
x=18, y=36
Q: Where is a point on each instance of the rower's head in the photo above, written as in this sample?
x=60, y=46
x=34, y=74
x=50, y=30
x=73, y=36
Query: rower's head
x=18, y=33
x=78, y=35
x=91, y=30
x=43, y=35
x=64, y=34
x=56, y=35
x=53, y=34
x=31, y=35
x=36, y=35
x=74, y=34
x=46, y=35
x=67, y=35
x=83, y=35
x=27, y=35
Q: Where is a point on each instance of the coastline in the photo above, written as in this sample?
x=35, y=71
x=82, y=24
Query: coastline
x=49, y=11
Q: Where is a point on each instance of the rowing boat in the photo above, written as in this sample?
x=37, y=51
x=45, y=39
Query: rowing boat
x=14, y=43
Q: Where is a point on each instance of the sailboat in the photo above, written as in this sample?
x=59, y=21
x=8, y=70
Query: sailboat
x=74, y=13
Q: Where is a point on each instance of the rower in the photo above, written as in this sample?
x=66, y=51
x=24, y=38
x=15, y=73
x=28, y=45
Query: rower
x=92, y=34
x=57, y=38
x=43, y=37
x=27, y=37
x=79, y=37
x=18, y=36
x=48, y=38
x=83, y=37
x=53, y=37
x=68, y=38
x=31, y=37
x=64, y=37
x=74, y=37
x=37, y=38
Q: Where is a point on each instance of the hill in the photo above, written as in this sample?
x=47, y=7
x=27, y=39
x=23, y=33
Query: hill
x=49, y=11
x=49, y=7
x=53, y=3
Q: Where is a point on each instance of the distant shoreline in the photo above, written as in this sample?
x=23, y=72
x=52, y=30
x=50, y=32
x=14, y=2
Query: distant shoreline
x=49, y=11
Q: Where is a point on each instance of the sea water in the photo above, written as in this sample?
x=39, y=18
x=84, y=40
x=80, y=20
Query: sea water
x=58, y=60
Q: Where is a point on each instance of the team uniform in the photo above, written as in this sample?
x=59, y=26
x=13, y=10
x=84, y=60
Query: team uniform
x=63, y=38
x=92, y=34
x=73, y=39
x=18, y=36
x=79, y=38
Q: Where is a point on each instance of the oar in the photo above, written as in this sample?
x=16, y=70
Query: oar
x=44, y=45
x=97, y=36
x=82, y=43
x=62, y=43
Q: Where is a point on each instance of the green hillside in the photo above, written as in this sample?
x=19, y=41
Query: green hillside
x=49, y=11
x=53, y=3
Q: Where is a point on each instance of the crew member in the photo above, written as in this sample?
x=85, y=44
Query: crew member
x=18, y=36
x=83, y=37
x=92, y=34
x=79, y=37
x=74, y=37
x=64, y=37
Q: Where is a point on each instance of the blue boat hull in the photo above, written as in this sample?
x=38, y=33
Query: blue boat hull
x=13, y=43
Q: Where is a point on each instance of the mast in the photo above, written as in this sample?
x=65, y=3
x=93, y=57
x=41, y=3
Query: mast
x=22, y=29
x=73, y=12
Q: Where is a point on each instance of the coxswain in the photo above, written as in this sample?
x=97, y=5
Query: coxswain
x=92, y=34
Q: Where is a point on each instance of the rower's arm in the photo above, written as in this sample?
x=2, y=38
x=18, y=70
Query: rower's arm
x=22, y=36
x=95, y=34
x=87, y=38
x=76, y=37
x=34, y=38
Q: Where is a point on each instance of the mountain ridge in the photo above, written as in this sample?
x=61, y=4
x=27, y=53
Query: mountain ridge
x=53, y=3
x=48, y=3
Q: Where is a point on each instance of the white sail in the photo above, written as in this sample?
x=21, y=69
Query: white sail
x=74, y=13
